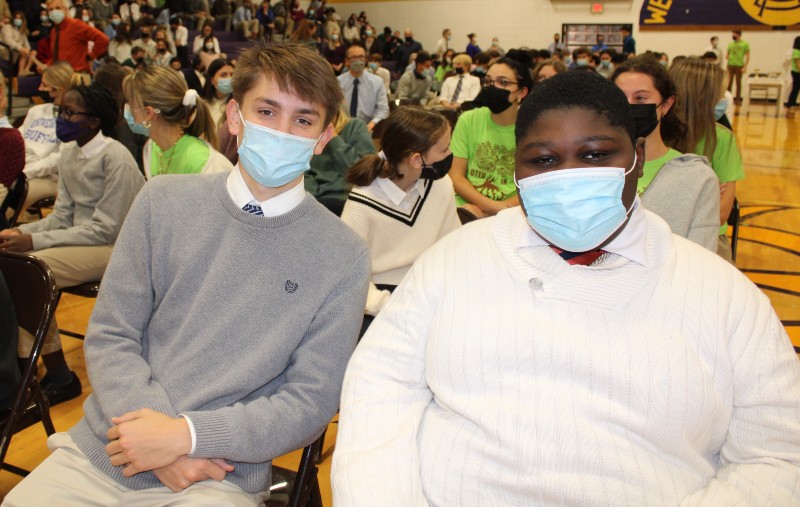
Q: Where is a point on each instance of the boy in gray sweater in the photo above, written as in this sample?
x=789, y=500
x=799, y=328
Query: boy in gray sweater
x=228, y=313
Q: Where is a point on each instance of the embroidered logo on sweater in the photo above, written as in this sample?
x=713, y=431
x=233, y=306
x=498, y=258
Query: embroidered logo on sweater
x=291, y=286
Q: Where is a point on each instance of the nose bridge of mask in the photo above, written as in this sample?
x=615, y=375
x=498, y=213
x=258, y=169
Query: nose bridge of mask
x=566, y=173
x=303, y=141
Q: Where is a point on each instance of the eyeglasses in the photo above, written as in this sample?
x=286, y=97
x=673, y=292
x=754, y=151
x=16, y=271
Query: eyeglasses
x=500, y=82
x=62, y=112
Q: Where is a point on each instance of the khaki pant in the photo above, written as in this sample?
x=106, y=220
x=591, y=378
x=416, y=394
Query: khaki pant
x=71, y=265
x=38, y=189
x=67, y=478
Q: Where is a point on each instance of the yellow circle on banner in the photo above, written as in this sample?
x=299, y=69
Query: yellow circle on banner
x=773, y=12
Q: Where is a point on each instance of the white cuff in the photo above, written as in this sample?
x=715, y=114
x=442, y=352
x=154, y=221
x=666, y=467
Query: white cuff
x=191, y=432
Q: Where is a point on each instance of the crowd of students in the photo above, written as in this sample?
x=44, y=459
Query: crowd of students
x=574, y=169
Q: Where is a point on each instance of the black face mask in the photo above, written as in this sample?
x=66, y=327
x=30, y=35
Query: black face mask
x=494, y=98
x=459, y=70
x=437, y=170
x=645, y=118
x=409, y=40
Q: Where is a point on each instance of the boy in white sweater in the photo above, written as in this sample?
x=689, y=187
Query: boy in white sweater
x=572, y=351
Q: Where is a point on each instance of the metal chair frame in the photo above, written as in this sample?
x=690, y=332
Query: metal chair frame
x=33, y=290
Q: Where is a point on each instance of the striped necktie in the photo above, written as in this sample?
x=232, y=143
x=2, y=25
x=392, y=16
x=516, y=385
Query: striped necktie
x=458, y=88
x=582, y=258
x=255, y=209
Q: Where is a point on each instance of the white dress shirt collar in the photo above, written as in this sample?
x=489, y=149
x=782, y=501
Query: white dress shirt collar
x=272, y=207
x=4, y=123
x=93, y=147
x=396, y=194
x=629, y=243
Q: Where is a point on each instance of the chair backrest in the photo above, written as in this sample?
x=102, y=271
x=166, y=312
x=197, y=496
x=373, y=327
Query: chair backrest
x=733, y=221
x=32, y=287
x=14, y=200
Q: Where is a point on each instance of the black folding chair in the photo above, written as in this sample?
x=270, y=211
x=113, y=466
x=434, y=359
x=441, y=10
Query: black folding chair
x=32, y=287
x=14, y=201
x=301, y=488
x=733, y=222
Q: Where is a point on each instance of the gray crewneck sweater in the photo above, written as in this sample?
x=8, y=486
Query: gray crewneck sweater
x=94, y=196
x=243, y=323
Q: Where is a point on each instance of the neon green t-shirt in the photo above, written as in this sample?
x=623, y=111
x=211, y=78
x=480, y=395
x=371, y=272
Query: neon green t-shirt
x=726, y=161
x=736, y=52
x=795, y=57
x=188, y=156
x=652, y=167
x=489, y=150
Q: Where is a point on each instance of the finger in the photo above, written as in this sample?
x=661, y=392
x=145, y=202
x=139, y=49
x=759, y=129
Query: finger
x=130, y=470
x=118, y=459
x=126, y=417
x=113, y=447
x=214, y=471
x=223, y=464
x=113, y=433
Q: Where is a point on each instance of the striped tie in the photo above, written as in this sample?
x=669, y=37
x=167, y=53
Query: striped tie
x=582, y=258
x=255, y=209
x=458, y=88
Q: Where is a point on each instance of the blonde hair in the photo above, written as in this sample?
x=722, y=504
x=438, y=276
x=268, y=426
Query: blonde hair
x=698, y=86
x=461, y=59
x=164, y=89
x=340, y=121
x=61, y=76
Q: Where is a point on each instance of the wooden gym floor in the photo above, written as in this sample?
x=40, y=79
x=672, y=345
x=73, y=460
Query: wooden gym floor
x=769, y=253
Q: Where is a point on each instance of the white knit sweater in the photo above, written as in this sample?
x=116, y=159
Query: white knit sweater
x=397, y=234
x=497, y=376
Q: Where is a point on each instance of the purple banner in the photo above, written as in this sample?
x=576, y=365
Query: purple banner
x=671, y=13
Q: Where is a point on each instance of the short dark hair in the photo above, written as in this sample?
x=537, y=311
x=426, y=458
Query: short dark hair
x=423, y=56
x=101, y=104
x=585, y=90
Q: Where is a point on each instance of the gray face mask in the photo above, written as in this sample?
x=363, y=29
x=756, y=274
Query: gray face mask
x=357, y=65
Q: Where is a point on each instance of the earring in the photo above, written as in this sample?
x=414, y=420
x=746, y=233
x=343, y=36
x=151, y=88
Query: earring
x=146, y=124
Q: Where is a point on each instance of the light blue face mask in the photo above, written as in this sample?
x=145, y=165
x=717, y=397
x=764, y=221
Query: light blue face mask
x=274, y=158
x=56, y=16
x=225, y=85
x=136, y=128
x=575, y=209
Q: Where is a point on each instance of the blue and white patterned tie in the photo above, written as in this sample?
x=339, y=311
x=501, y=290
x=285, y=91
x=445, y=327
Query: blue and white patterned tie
x=254, y=209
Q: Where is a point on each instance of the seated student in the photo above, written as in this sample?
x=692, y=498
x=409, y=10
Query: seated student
x=403, y=200
x=483, y=139
x=623, y=362
x=42, y=148
x=375, y=67
x=351, y=140
x=681, y=189
x=462, y=87
x=200, y=381
x=415, y=84
x=547, y=68
x=218, y=89
x=161, y=107
x=137, y=60
x=699, y=88
x=98, y=182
